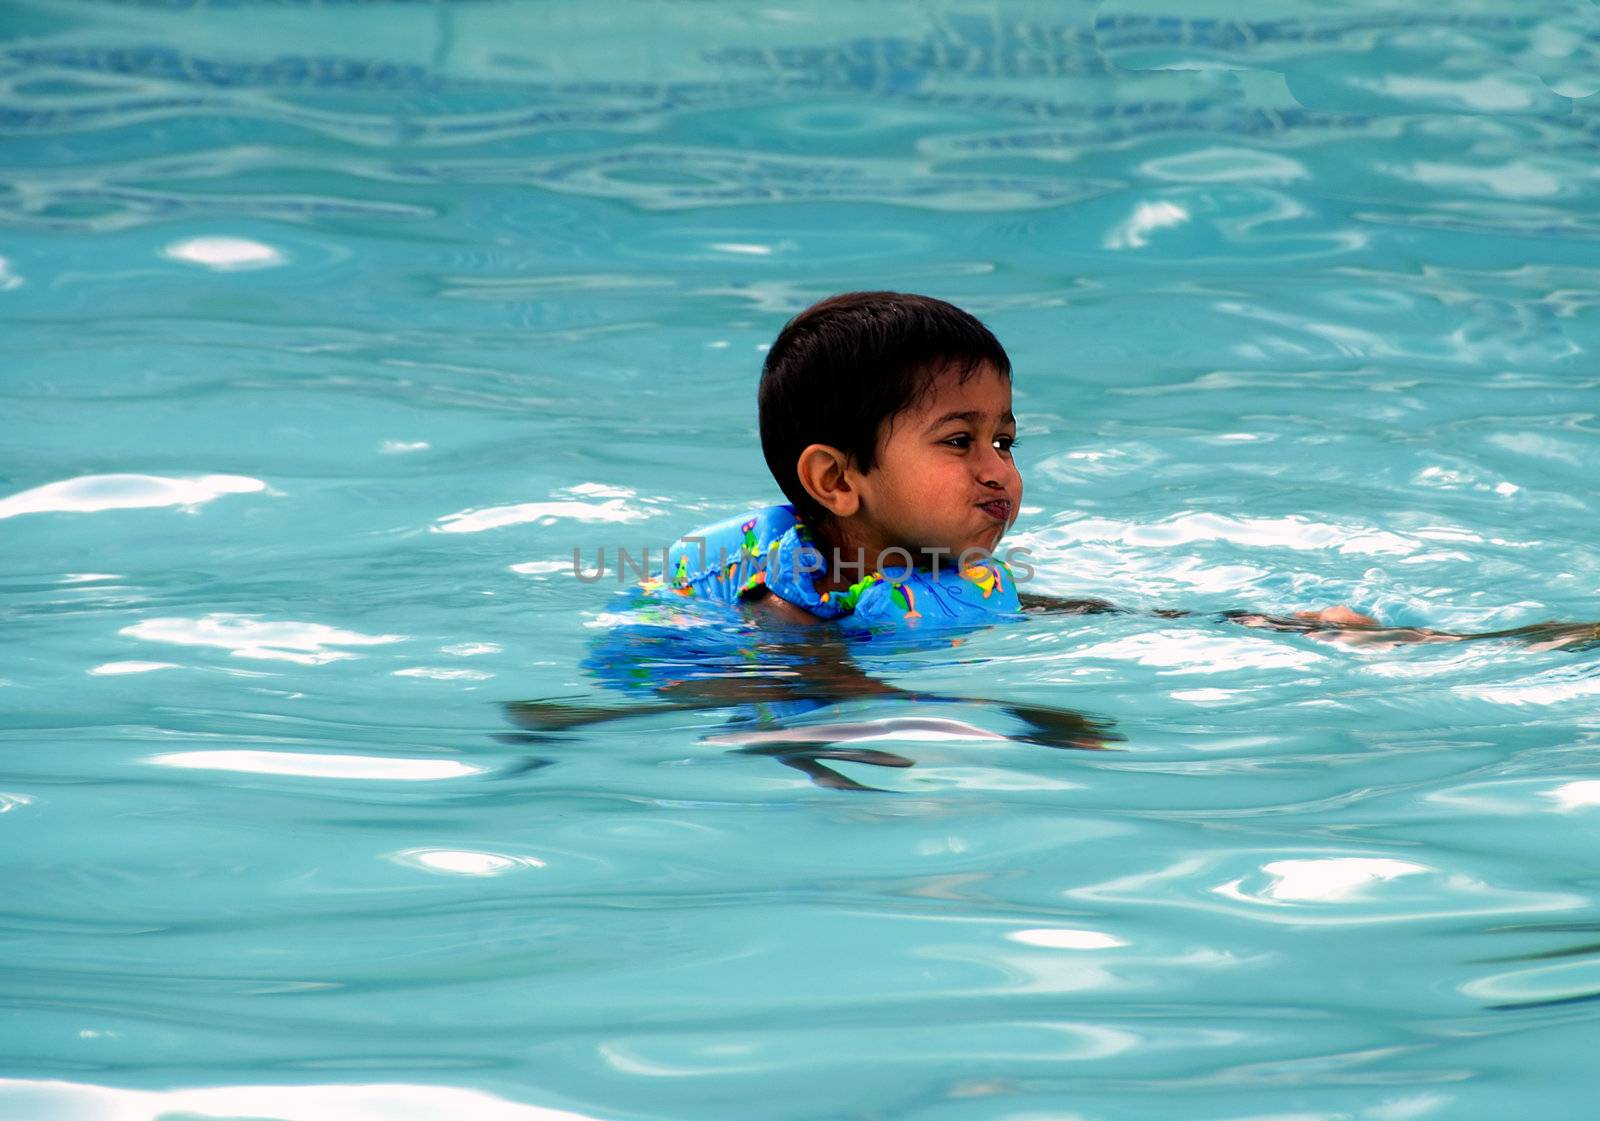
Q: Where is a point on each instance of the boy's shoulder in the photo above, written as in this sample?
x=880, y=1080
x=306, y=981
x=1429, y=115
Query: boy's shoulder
x=728, y=559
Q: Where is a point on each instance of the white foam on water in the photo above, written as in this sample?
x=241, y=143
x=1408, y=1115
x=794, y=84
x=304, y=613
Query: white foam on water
x=1226, y=164
x=599, y=490
x=300, y=764
x=466, y=862
x=1576, y=795
x=115, y=669
x=373, y=1101
x=90, y=494
x=1062, y=938
x=1186, y=652
x=1134, y=231
x=542, y=568
x=919, y=729
x=1289, y=532
x=248, y=636
x=1486, y=93
x=1333, y=879
x=224, y=254
x=437, y=673
x=543, y=513
x=1552, y=688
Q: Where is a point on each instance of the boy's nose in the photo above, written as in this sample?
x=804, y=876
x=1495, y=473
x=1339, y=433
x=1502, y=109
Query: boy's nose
x=993, y=469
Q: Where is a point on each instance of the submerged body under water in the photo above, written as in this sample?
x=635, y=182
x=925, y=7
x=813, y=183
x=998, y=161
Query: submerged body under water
x=322, y=365
x=673, y=655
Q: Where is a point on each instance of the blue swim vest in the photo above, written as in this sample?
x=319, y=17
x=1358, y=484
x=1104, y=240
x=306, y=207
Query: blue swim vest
x=772, y=549
x=682, y=624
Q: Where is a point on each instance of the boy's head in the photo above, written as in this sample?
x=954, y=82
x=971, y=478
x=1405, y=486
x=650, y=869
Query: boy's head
x=887, y=417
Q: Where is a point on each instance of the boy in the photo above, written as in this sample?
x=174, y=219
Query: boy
x=886, y=420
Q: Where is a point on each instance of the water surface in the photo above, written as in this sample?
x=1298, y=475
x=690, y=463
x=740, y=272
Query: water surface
x=332, y=330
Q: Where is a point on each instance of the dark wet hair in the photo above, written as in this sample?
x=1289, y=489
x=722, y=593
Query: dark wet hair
x=842, y=367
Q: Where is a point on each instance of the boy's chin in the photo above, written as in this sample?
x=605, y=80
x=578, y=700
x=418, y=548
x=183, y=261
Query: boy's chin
x=968, y=551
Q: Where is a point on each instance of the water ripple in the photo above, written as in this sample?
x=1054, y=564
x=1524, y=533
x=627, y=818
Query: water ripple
x=1300, y=317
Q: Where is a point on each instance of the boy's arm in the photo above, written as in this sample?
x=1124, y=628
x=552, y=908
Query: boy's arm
x=1338, y=624
x=1538, y=636
x=1035, y=604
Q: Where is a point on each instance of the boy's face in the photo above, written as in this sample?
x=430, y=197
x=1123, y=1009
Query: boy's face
x=944, y=477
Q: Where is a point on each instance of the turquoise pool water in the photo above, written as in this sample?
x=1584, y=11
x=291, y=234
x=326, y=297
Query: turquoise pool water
x=331, y=330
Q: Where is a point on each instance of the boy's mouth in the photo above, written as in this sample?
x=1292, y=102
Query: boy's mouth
x=999, y=509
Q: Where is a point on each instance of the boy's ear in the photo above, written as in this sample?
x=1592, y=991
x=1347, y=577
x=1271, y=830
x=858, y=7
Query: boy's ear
x=825, y=473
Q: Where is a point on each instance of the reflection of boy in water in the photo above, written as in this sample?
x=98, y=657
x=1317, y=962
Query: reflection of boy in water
x=886, y=420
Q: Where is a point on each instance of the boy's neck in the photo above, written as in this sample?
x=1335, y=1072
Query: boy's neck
x=847, y=558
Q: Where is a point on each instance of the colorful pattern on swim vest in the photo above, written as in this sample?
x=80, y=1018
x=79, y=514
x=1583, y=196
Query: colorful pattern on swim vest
x=772, y=548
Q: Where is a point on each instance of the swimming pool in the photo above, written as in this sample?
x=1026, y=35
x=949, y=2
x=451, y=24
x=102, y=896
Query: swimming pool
x=332, y=330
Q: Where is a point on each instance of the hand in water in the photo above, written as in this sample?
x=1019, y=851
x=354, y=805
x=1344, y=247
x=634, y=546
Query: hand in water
x=1338, y=617
x=1343, y=625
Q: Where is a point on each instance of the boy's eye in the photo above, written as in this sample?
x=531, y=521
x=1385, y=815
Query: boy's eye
x=964, y=440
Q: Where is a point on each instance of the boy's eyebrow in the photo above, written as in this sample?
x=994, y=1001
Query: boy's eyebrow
x=970, y=415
